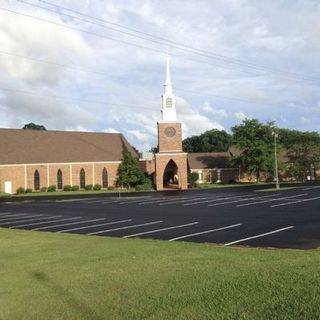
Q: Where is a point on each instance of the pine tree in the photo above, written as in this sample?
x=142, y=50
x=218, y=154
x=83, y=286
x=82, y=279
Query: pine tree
x=129, y=172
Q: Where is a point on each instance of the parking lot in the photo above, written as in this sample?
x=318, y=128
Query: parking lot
x=233, y=216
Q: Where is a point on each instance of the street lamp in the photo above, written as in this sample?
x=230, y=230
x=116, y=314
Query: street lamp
x=275, y=136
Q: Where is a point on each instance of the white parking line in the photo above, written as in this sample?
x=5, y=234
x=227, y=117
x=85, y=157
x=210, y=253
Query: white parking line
x=28, y=220
x=258, y=236
x=13, y=215
x=67, y=224
x=207, y=231
x=94, y=225
x=310, y=188
x=213, y=200
x=179, y=201
x=239, y=200
x=74, y=199
x=294, y=202
x=127, y=227
x=42, y=222
x=159, y=230
x=270, y=200
x=161, y=200
x=22, y=217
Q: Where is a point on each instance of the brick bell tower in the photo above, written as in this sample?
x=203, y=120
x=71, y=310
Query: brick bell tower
x=171, y=161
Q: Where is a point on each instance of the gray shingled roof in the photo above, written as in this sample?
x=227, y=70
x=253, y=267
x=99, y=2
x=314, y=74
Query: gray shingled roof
x=32, y=146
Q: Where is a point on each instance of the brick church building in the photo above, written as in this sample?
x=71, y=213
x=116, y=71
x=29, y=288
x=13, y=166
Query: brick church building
x=34, y=159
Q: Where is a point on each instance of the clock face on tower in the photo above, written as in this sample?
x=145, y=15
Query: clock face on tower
x=170, y=132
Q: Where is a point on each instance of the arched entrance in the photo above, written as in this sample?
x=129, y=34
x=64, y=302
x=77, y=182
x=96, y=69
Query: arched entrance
x=171, y=176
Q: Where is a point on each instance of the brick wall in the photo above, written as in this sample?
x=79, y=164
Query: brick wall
x=167, y=143
x=48, y=174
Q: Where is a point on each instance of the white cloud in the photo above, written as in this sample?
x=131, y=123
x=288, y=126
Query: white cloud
x=220, y=113
x=111, y=130
x=241, y=116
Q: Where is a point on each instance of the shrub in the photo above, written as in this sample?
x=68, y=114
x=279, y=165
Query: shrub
x=193, y=178
x=43, y=189
x=75, y=188
x=146, y=186
x=97, y=187
x=88, y=187
x=67, y=187
x=20, y=190
x=52, y=188
x=110, y=188
x=28, y=190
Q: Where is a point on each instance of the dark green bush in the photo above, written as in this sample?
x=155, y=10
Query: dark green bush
x=28, y=190
x=67, y=187
x=44, y=189
x=52, y=188
x=110, y=188
x=20, y=190
x=88, y=187
x=97, y=187
x=192, y=179
x=75, y=188
x=146, y=186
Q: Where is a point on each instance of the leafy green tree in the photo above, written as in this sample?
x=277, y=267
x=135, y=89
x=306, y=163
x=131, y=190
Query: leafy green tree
x=302, y=151
x=255, y=141
x=193, y=178
x=129, y=172
x=210, y=141
x=33, y=126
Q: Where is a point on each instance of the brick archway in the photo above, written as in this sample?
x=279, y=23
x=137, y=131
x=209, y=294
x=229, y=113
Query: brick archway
x=174, y=163
x=171, y=179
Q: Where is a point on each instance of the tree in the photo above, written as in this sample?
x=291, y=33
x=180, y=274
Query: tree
x=210, y=141
x=302, y=151
x=255, y=142
x=33, y=126
x=129, y=172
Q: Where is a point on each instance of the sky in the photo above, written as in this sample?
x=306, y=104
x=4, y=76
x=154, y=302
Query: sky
x=230, y=60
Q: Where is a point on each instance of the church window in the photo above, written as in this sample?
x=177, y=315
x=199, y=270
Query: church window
x=36, y=180
x=82, y=178
x=169, y=103
x=59, y=180
x=104, y=178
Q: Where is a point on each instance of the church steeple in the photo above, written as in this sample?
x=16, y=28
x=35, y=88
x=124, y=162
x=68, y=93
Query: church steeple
x=168, y=100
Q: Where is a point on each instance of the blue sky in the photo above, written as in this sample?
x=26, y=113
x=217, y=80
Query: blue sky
x=258, y=60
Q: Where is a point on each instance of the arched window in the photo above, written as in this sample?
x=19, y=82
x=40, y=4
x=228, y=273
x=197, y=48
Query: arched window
x=59, y=180
x=169, y=103
x=104, y=178
x=82, y=179
x=36, y=180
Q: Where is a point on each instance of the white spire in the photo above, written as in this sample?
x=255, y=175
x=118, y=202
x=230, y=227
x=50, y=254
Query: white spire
x=168, y=99
x=168, y=77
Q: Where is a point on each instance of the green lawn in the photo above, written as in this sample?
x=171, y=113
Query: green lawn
x=70, y=193
x=229, y=185
x=2, y=194
x=49, y=276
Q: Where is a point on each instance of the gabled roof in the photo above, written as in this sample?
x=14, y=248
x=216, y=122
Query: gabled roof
x=19, y=146
x=208, y=160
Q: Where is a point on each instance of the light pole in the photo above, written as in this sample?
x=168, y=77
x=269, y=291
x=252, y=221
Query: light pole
x=275, y=136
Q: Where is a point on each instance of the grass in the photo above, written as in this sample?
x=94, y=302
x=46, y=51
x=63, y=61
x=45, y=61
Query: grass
x=228, y=185
x=71, y=193
x=2, y=194
x=49, y=276
x=275, y=189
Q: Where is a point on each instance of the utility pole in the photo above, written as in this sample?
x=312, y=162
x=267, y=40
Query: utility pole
x=275, y=136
